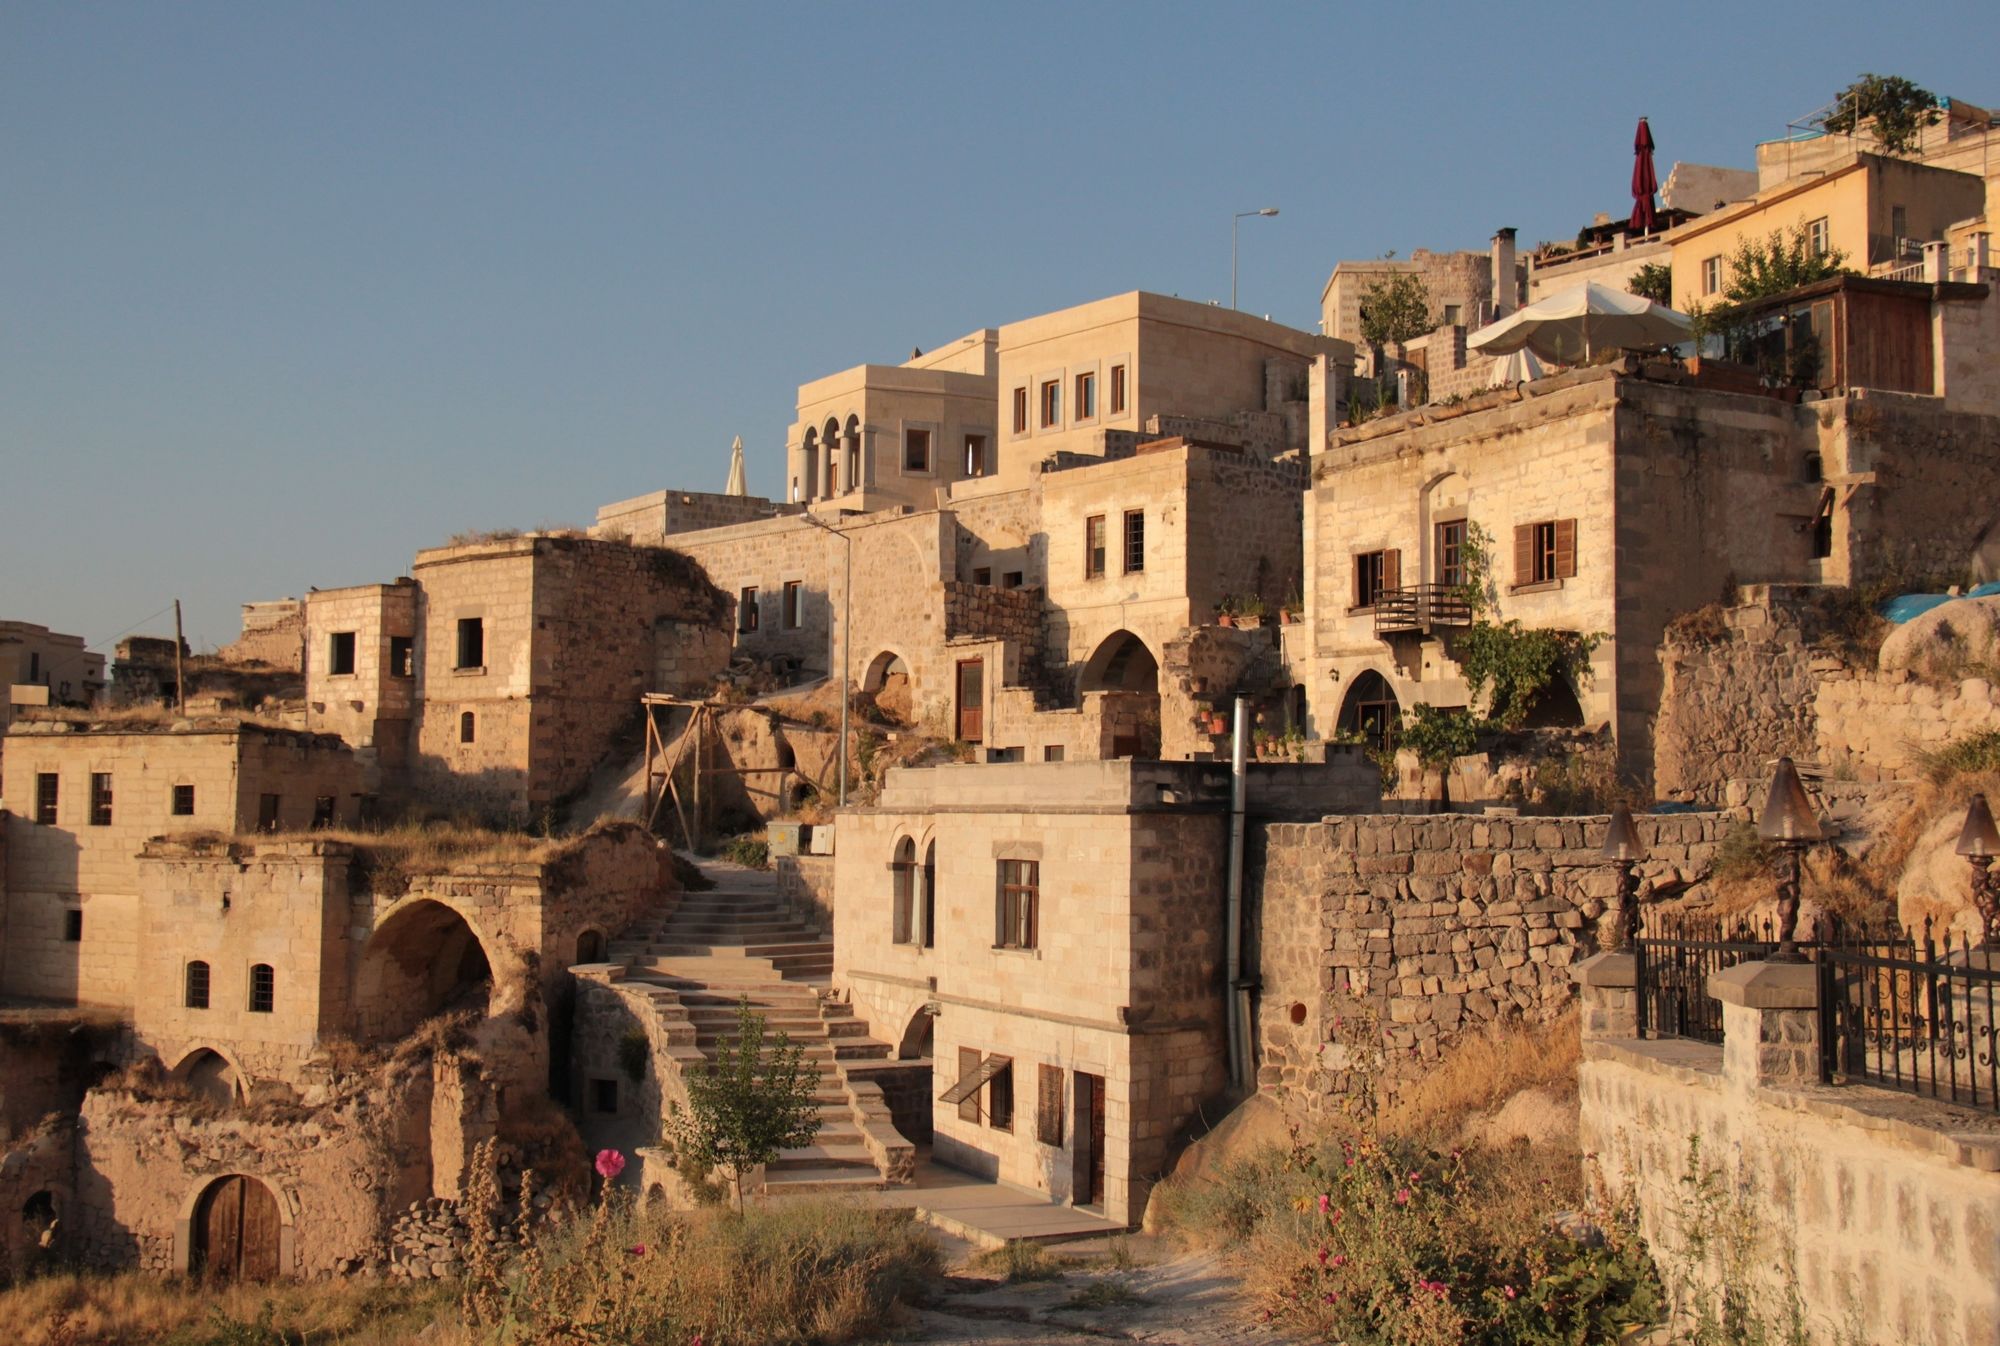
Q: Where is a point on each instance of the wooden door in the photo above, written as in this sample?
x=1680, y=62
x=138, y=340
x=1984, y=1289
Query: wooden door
x=971, y=700
x=236, y=1232
x=1088, y=1181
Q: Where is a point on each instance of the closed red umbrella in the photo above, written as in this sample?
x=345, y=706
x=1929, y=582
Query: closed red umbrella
x=1644, y=184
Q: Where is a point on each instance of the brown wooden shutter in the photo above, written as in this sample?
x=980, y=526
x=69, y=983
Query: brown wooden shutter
x=1524, y=553
x=968, y=1065
x=1049, y=1106
x=1392, y=569
x=1565, y=549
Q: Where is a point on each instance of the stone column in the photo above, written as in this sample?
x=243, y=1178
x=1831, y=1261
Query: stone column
x=1609, y=983
x=1770, y=1023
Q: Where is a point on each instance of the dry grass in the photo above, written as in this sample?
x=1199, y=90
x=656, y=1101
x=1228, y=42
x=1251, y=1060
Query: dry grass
x=96, y=1310
x=140, y=719
x=1482, y=1072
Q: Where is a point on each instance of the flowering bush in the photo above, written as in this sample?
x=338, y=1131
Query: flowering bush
x=610, y=1163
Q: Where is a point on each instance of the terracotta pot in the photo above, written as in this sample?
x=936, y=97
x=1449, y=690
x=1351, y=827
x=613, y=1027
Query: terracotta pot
x=1225, y=619
x=1289, y=618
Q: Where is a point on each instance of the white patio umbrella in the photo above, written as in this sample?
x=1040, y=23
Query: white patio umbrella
x=1520, y=367
x=1573, y=324
x=736, y=485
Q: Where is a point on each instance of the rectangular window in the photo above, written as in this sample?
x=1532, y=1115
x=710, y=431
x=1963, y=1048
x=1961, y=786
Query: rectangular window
x=1086, y=395
x=1711, y=275
x=1545, y=552
x=975, y=456
x=471, y=642
x=197, y=985
x=34, y=666
x=604, y=1096
x=1049, y=1105
x=267, y=812
x=1135, y=541
x=100, y=799
x=983, y=576
x=340, y=654
x=184, y=801
x=1117, y=389
x=1020, y=411
x=402, y=657
x=1013, y=579
x=1451, y=553
x=1000, y=1099
x=1375, y=571
x=1020, y=892
x=968, y=1066
x=263, y=988
x=1451, y=312
x=916, y=450
x=1052, y=752
x=323, y=811
x=746, y=610
x=1051, y=403
x=1818, y=237
x=1093, y=547
x=794, y=605
x=73, y=926
x=46, y=786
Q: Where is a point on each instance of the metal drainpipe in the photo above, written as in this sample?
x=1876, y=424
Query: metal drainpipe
x=1239, y=1063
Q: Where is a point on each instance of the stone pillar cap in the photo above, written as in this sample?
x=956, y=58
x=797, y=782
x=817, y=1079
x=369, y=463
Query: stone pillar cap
x=1611, y=969
x=1767, y=985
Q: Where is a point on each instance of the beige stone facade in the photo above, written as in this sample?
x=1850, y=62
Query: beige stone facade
x=361, y=670
x=43, y=667
x=73, y=908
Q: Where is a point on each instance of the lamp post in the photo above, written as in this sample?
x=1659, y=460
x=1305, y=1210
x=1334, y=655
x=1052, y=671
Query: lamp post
x=1788, y=820
x=1623, y=848
x=846, y=638
x=1979, y=843
x=1240, y=215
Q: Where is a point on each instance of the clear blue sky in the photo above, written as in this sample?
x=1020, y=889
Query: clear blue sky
x=288, y=291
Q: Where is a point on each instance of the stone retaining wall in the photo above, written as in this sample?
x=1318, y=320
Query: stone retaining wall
x=1877, y=725
x=1432, y=928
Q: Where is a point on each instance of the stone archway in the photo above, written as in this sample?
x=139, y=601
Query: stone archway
x=424, y=959
x=236, y=1232
x=210, y=1076
x=888, y=681
x=918, y=1035
x=1126, y=678
x=1370, y=710
x=1121, y=663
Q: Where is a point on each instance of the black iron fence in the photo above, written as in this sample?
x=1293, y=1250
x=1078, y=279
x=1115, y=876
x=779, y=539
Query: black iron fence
x=1914, y=1012
x=1675, y=953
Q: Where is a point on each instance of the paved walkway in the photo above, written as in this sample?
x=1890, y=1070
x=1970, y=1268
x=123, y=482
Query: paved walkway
x=989, y=1214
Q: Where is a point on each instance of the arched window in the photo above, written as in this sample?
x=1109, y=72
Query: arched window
x=197, y=985
x=263, y=988
x=904, y=869
x=467, y=728
x=930, y=896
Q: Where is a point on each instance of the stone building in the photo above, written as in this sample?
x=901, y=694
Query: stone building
x=1461, y=286
x=82, y=801
x=1052, y=937
x=40, y=667
x=359, y=653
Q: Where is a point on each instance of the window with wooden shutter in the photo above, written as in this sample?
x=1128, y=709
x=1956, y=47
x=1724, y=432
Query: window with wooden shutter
x=1565, y=549
x=1524, y=553
x=968, y=1066
x=1392, y=569
x=1049, y=1106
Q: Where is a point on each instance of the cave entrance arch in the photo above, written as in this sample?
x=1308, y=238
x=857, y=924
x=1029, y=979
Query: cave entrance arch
x=236, y=1232
x=424, y=960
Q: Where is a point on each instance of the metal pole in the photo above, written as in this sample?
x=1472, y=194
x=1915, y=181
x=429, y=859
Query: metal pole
x=1239, y=1063
x=180, y=677
x=846, y=657
x=1233, y=223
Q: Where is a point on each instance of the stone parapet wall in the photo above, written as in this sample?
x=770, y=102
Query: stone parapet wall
x=1879, y=1211
x=805, y=882
x=1878, y=725
x=1432, y=927
x=988, y=610
x=273, y=634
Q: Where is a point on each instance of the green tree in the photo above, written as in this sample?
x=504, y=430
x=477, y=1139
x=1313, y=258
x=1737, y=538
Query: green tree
x=1395, y=309
x=1899, y=110
x=1654, y=281
x=750, y=1100
x=1779, y=263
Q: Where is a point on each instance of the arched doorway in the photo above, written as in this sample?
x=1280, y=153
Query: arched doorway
x=209, y=1076
x=236, y=1231
x=422, y=961
x=1121, y=663
x=1371, y=710
x=918, y=1036
x=888, y=681
x=590, y=947
x=1555, y=707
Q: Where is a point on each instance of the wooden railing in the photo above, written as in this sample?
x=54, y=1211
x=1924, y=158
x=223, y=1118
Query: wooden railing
x=1421, y=607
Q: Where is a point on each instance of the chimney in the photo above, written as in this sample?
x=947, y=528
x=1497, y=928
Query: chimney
x=1506, y=290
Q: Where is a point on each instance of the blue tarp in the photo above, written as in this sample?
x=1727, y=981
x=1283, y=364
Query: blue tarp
x=1904, y=607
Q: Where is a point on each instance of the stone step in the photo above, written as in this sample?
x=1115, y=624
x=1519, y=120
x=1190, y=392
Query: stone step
x=823, y=1156
x=812, y=1181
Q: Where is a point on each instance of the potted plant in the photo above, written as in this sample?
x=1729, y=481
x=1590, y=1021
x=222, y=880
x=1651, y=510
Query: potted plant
x=1288, y=612
x=1225, y=612
x=1250, y=613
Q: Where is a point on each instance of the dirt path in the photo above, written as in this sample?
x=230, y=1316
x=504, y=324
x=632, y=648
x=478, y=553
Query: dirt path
x=1177, y=1300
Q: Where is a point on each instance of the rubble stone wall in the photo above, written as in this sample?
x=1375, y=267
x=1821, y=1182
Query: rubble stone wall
x=1878, y=725
x=1430, y=927
x=272, y=632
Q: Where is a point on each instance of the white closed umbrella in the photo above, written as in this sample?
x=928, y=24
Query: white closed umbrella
x=737, y=485
x=1572, y=325
x=1520, y=367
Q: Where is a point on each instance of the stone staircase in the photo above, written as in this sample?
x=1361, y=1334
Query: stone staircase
x=739, y=940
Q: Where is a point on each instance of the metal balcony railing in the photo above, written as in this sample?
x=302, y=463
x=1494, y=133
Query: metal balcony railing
x=1421, y=607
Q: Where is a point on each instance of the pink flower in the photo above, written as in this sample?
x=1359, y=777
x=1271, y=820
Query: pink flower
x=1324, y=1202
x=1414, y=1176
x=637, y=1250
x=610, y=1164
x=1332, y=1297
x=1337, y=1214
x=1507, y=1290
x=1322, y=1257
x=1340, y=1260
x=1402, y=1196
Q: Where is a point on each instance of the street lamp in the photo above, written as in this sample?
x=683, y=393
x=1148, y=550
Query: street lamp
x=1979, y=843
x=1788, y=820
x=1240, y=215
x=1623, y=848
x=846, y=638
